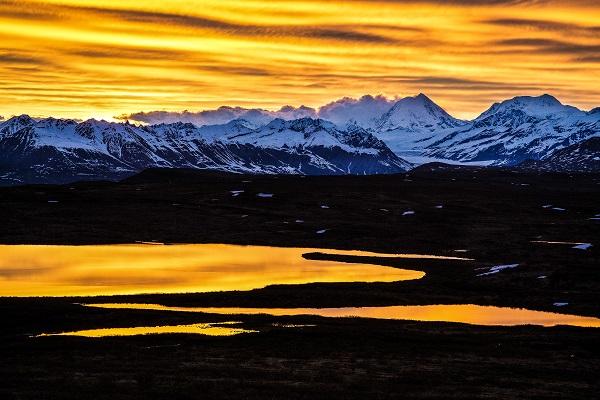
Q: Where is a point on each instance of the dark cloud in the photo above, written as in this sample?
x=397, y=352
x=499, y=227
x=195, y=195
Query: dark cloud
x=339, y=35
x=544, y=25
x=35, y=10
x=16, y=58
x=589, y=59
x=111, y=52
x=459, y=83
x=236, y=70
x=423, y=83
x=19, y=10
x=331, y=32
x=551, y=46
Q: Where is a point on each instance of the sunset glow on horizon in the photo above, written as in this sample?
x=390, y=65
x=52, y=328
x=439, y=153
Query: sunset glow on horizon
x=91, y=58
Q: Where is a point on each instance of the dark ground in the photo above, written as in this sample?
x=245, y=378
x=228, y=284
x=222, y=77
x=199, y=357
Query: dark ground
x=495, y=214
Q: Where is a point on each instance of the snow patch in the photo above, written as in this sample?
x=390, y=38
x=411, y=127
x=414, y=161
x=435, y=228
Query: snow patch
x=499, y=268
x=583, y=246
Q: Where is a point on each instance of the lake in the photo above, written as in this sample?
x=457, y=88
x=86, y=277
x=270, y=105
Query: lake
x=461, y=313
x=136, y=269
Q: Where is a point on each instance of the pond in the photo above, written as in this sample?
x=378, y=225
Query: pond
x=207, y=329
x=461, y=313
x=27, y=270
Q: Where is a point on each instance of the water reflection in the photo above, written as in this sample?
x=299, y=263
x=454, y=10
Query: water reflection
x=216, y=329
x=462, y=313
x=130, y=269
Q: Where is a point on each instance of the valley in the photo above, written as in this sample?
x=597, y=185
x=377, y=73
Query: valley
x=522, y=233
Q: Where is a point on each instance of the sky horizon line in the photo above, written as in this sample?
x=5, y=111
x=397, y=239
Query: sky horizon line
x=392, y=100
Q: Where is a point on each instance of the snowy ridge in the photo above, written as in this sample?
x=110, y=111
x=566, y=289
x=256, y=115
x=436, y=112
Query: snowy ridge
x=415, y=128
x=579, y=157
x=412, y=123
x=369, y=135
x=54, y=150
x=516, y=130
x=416, y=114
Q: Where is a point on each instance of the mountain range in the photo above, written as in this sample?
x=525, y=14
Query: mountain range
x=58, y=151
x=370, y=135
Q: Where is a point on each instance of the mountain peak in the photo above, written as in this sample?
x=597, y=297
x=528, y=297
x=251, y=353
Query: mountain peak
x=22, y=119
x=543, y=106
x=417, y=113
x=545, y=100
x=17, y=122
x=549, y=98
x=594, y=111
x=423, y=97
x=309, y=125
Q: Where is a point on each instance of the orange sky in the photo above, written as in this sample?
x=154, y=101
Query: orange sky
x=92, y=58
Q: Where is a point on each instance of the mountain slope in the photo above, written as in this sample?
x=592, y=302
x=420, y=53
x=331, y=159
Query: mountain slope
x=53, y=151
x=516, y=130
x=413, y=122
x=579, y=157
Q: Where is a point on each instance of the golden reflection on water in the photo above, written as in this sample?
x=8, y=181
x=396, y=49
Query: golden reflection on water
x=27, y=270
x=461, y=313
x=220, y=329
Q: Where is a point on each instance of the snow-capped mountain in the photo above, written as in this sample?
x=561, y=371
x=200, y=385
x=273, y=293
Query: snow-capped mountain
x=406, y=125
x=412, y=123
x=515, y=130
x=579, y=157
x=55, y=150
x=417, y=129
x=361, y=139
x=417, y=113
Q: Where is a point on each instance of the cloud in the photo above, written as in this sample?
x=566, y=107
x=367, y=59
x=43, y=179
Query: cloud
x=221, y=115
x=589, y=59
x=236, y=70
x=34, y=11
x=131, y=53
x=550, y=46
x=545, y=25
x=363, y=110
x=426, y=82
x=342, y=33
x=92, y=58
x=16, y=58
